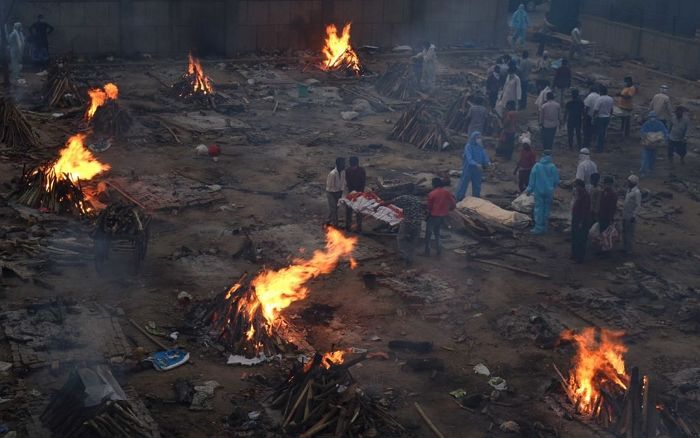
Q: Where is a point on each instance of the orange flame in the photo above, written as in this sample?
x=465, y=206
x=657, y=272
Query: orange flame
x=277, y=290
x=337, y=50
x=76, y=162
x=201, y=82
x=99, y=97
x=333, y=358
x=599, y=361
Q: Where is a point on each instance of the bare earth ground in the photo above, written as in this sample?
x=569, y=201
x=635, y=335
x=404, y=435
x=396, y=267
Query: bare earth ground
x=481, y=318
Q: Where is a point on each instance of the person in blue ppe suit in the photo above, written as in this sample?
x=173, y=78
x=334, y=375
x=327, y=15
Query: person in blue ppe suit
x=475, y=159
x=652, y=126
x=544, y=179
x=519, y=22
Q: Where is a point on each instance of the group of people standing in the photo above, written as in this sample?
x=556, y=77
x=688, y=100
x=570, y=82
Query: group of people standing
x=38, y=39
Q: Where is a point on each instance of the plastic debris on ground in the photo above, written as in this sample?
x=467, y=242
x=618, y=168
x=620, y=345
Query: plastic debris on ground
x=480, y=368
x=249, y=362
x=498, y=383
x=169, y=359
x=203, y=395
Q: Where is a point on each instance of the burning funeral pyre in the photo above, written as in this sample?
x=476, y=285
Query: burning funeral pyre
x=15, y=130
x=103, y=113
x=56, y=185
x=194, y=83
x=601, y=389
x=60, y=90
x=338, y=54
x=322, y=397
x=247, y=318
x=421, y=127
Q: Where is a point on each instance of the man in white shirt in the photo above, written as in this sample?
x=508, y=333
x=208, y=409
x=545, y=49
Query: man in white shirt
x=586, y=168
x=589, y=104
x=550, y=115
x=335, y=186
x=602, y=112
x=633, y=200
x=576, y=42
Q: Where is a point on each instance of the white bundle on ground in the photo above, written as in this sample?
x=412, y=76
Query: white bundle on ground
x=493, y=213
x=370, y=204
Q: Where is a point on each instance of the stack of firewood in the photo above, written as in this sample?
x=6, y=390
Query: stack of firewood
x=60, y=90
x=324, y=399
x=397, y=82
x=72, y=413
x=635, y=412
x=457, y=113
x=15, y=130
x=111, y=120
x=41, y=187
x=119, y=219
x=421, y=127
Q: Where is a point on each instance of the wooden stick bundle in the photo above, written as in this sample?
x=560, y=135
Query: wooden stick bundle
x=397, y=82
x=60, y=90
x=15, y=130
x=41, y=187
x=111, y=120
x=420, y=127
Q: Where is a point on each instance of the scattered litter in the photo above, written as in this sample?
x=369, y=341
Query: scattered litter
x=242, y=360
x=510, y=426
x=174, y=336
x=480, y=368
x=168, y=359
x=349, y=115
x=458, y=393
x=201, y=149
x=498, y=383
x=254, y=415
x=375, y=338
x=184, y=297
x=203, y=395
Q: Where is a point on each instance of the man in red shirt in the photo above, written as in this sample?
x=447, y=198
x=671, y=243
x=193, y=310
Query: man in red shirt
x=440, y=203
x=356, y=180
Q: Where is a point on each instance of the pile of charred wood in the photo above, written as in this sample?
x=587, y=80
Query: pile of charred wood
x=111, y=120
x=121, y=220
x=421, y=126
x=41, y=188
x=398, y=82
x=457, y=113
x=60, y=90
x=15, y=130
x=91, y=404
x=323, y=398
x=636, y=412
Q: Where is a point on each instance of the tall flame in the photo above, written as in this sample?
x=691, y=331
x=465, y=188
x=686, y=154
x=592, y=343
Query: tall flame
x=337, y=50
x=277, y=290
x=76, y=162
x=599, y=361
x=99, y=97
x=201, y=82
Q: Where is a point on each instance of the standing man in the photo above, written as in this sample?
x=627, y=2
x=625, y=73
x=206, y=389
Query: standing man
x=544, y=71
x=661, y=105
x=519, y=23
x=506, y=143
x=677, y=142
x=633, y=200
x=589, y=105
x=335, y=186
x=626, y=104
x=606, y=215
x=562, y=79
x=550, y=114
x=409, y=229
x=493, y=85
x=544, y=179
x=602, y=112
x=429, y=64
x=580, y=215
x=586, y=168
x=511, y=90
x=527, y=160
x=526, y=66
x=440, y=204
x=476, y=116
x=355, y=180
x=576, y=42
x=573, y=114
x=16, y=43
x=474, y=160
x=39, y=33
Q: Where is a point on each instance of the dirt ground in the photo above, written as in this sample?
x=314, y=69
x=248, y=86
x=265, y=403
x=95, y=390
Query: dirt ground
x=473, y=313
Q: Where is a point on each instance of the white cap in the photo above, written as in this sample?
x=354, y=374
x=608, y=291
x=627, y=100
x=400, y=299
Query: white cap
x=585, y=151
x=634, y=179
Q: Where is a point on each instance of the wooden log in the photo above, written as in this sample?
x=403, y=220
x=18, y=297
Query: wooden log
x=148, y=335
x=514, y=268
x=427, y=420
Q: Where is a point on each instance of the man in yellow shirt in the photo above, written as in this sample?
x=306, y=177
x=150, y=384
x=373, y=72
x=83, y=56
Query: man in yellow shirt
x=626, y=103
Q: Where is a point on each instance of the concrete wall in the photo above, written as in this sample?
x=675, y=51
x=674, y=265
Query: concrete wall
x=681, y=55
x=226, y=27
